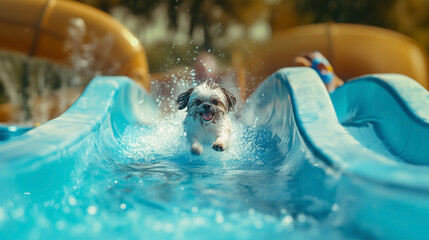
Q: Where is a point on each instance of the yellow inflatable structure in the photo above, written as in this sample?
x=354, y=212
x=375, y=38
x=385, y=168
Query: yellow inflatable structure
x=352, y=49
x=38, y=28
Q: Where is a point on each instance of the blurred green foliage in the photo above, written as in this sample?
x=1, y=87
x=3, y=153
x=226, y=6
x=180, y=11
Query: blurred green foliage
x=410, y=17
x=225, y=24
x=368, y=12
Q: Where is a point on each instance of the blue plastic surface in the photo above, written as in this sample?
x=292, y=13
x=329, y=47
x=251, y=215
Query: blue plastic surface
x=362, y=151
x=10, y=131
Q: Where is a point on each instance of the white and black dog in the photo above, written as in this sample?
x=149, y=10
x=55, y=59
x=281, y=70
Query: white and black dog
x=207, y=121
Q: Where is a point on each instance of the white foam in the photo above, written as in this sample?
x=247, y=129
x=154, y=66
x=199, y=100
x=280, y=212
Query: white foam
x=166, y=141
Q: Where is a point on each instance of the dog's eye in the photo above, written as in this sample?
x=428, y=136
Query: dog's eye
x=215, y=102
x=198, y=102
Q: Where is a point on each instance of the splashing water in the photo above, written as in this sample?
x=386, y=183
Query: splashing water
x=50, y=91
x=40, y=90
x=146, y=184
x=89, y=57
x=149, y=185
x=166, y=140
x=158, y=189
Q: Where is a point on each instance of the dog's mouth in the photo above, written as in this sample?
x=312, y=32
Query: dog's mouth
x=207, y=116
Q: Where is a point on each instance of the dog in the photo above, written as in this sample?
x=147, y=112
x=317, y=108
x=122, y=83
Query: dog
x=207, y=120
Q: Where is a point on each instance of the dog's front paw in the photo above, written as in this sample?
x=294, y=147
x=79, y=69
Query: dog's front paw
x=219, y=146
x=196, y=149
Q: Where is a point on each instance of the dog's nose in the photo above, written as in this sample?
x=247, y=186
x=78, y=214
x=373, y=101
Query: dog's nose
x=206, y=106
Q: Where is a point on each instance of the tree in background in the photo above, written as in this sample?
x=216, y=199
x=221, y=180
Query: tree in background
x=174, y=31
x=410, y=17
x=350, y=11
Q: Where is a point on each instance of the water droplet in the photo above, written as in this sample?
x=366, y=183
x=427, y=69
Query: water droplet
x=301, y=217
x=60, y=225
x=168, y=228
x=199, y=221
x=96, y=226
x=92, y=210
x=287, y=220
x=72, y=200
x=2, y=214
x=219, y=218
x=258, y=224
x=251, y=211
x=17, y=213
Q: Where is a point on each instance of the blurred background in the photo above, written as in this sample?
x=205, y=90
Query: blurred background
x=176, y=34
x=172, y=31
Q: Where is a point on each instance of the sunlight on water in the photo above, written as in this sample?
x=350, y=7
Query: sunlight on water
x=166, y=140
x=155, y=188
x=143, y=183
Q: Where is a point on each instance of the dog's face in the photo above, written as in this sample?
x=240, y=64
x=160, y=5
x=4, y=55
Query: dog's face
x=207, y=102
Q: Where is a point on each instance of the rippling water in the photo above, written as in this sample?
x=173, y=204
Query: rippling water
x=151, y=187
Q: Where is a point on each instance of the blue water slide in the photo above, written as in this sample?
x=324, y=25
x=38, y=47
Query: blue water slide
x=363, y=149
x=45, y=157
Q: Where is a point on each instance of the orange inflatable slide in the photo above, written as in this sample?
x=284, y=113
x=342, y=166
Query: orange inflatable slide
x=38, y=28
x=353, y=50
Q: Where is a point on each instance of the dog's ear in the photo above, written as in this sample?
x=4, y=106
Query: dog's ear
x=230, y=99
x=183, y=99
